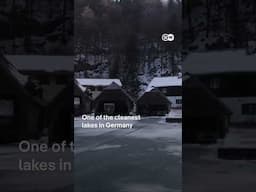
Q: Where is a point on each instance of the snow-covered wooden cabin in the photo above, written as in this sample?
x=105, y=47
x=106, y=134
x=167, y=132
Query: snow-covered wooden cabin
x=231, y=76
x=170, y=86
x=49, y=74
x=153, y=102
x=205, y=119
x=113, y=100
x=82, y=100
x=20, y=113
x=96, y=86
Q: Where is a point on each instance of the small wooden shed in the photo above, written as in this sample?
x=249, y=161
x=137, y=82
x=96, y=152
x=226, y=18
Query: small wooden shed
x=205, y=117
x=153, y=102
x=113, y=100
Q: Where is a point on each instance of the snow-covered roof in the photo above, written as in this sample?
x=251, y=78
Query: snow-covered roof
x=21, y=78
x=165, y=82
x=98, y=82
x=13, y=71
x=41, y=62
x=83, y=89
x=219, y=62
x=113, y=87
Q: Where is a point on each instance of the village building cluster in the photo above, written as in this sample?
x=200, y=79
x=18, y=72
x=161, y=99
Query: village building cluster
x=107, y=96
x=39, y=96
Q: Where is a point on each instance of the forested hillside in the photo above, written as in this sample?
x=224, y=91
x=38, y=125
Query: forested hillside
x=36, y=26
x=219, y=24
x=122, y=39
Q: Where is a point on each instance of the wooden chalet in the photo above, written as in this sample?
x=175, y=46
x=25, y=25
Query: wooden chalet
x=171, y=87
x=113, y=100
x=153, y=102
x=94, y=87
x=205, y=117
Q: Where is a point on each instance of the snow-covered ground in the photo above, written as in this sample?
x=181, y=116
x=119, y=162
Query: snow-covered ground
x=145, y=158
x=175, y=114
x=203, y=171
x=240, y=137
x=13, y=179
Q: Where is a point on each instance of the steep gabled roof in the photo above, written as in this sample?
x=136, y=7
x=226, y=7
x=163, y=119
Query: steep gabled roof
x=114, y=87
x=97, y=82
x=169, y=81
x=198, y=100
x=10, y=69
x=154, y=95
x=18, y=80
x=78, y=89
x=83, y=89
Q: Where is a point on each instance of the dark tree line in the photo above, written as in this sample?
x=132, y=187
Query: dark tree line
x=218, y=24
x=127, y=35
x=36, y=27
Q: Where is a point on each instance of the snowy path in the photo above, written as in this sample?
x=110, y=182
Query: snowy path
x=146, y=158
x=203, y=171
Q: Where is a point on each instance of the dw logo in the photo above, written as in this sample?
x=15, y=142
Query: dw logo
x=167, y=37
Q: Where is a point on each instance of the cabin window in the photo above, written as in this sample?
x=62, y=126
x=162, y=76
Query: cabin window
x=6, y=108
x=249, y=109
x=77, y=101
x=178, y=101
x=215, y=83
x=109, y=108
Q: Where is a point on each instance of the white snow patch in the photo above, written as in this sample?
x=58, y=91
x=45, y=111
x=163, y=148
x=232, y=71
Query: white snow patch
x=172, y=149
x=98, y=82
x=164, y=82
x=83, y=89
x=158, y=133
x=96, y=148
x=175, y=113
x=105, y=146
